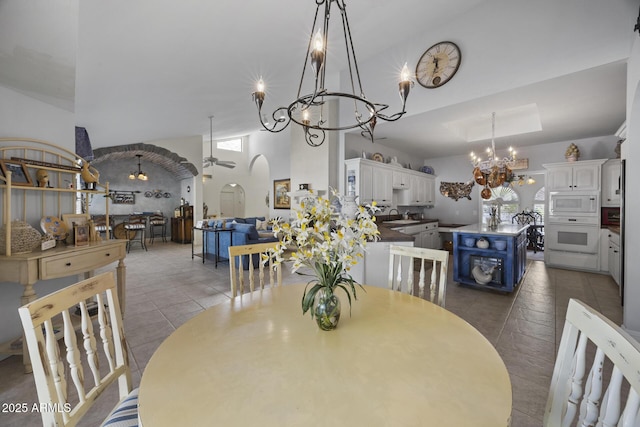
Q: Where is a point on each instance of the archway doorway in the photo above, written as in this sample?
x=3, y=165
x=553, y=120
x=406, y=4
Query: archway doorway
x=232, y=201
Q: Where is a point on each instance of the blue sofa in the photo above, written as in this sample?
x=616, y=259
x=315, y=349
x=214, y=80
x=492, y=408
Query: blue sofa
x=244, y=233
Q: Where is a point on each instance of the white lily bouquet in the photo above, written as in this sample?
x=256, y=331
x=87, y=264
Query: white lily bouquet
x=327, y=243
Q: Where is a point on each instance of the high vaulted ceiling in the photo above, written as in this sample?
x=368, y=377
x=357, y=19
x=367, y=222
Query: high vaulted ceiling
x=148, y=69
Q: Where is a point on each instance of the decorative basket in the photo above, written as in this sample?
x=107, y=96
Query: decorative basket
x=24, y=238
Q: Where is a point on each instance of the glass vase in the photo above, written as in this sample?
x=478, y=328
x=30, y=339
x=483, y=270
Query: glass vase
x=327, y=310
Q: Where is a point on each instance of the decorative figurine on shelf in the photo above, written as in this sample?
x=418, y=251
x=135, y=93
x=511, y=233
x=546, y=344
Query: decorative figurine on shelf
x=89, y=175
x=572, y=153
x=42, y=176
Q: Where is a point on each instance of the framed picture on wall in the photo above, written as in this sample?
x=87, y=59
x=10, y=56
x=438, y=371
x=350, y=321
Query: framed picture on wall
x=281, y=189
x=19, y=173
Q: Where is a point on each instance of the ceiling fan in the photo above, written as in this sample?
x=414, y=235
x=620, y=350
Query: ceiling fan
x=210, y=160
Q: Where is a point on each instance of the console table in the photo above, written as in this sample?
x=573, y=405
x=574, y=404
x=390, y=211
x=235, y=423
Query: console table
x=62, y=261
x=217, y=232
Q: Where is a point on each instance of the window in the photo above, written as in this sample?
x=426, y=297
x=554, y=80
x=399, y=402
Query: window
x=507, y=200
x=234, y=144
x=538, y=203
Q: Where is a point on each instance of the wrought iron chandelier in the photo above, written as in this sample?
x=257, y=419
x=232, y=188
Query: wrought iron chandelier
x=140, y=175
x=309, y=111
x=494, y=171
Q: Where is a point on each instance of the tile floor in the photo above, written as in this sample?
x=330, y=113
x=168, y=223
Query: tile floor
x=165, y=288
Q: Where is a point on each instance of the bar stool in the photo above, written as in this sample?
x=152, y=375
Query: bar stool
x=136, y=226
x=100, y=223
x=157, y=223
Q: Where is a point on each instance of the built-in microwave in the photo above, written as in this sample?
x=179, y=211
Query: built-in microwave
x=574, y=203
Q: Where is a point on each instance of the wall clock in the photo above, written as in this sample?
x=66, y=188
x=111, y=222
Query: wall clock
x=438, y=64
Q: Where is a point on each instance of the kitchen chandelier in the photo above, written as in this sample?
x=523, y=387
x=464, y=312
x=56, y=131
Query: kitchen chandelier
x=309, y=110
x=494, y=171
x=140, y=175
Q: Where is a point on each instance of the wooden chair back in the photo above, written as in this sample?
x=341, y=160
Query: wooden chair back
x=157, y=219
x=523, y=218
x=237, y=273
x=402, y=271
x=610, y=394
x=60, y=381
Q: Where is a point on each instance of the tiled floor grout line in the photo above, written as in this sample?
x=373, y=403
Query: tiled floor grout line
x=515, y=299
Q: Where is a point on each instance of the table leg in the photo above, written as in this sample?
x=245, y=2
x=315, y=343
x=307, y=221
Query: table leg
x=217, y=247
x=121, y=283
x=28, y=295
x=204, y=245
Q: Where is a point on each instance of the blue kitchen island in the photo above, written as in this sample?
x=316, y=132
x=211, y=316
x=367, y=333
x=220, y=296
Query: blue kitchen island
x=493, y=259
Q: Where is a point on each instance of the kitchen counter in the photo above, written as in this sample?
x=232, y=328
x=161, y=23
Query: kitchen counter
x=614, y=228
x=387, y=234
x=502, y=230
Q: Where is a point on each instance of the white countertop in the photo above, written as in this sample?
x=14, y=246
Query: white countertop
x=503, y=229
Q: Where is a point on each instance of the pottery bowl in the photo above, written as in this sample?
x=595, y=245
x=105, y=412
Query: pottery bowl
x=469, y=242
x=500, y=245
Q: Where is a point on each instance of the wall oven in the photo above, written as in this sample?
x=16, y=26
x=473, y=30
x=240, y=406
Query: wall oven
x=574, y=203
x=572, y=234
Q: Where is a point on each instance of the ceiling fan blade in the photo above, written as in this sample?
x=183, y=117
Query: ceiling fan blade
x=226, y=164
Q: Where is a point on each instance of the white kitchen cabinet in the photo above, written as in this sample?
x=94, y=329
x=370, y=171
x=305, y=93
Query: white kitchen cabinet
x=604, y=249
x=421, y=191
x=614, y=256
x=401, y=180
x=574, y=176
x=611, y=183
x=377, y=181
x=382, y=186
x=429, y=236
x=430, y=197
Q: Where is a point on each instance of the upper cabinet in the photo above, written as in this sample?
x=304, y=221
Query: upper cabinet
x=401, y=180
x=611, y=183
x=371, y=180
x=421, y=191
x=574, y=176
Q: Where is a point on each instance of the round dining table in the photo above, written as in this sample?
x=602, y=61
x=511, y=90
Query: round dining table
x=397, y=360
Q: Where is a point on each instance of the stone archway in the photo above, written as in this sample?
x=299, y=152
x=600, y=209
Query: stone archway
x=172, y=162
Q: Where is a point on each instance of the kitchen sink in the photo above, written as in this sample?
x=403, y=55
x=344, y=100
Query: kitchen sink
x=401, y=221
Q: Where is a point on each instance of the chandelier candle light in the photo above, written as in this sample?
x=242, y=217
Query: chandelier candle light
x=494, y=171
x=309, y=110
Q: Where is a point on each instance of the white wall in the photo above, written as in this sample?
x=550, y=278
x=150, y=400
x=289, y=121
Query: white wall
x=631, y=152
x=275, y=147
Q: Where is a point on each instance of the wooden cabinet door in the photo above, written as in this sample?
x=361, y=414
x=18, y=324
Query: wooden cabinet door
x=585, y=177
x=366, y=184
x=382, y=186
x=611, y=183
x=560, y=179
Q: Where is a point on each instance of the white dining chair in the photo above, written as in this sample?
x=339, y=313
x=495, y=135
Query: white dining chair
x=589, y=338
x=402, y=271
x=255, y=254
x=90, y=306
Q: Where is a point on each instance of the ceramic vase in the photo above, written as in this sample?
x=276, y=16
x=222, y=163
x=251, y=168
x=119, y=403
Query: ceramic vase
x=327, y=310
x=349, y=207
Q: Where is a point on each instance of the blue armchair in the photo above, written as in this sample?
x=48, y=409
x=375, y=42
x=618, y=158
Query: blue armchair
x=242, y=234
